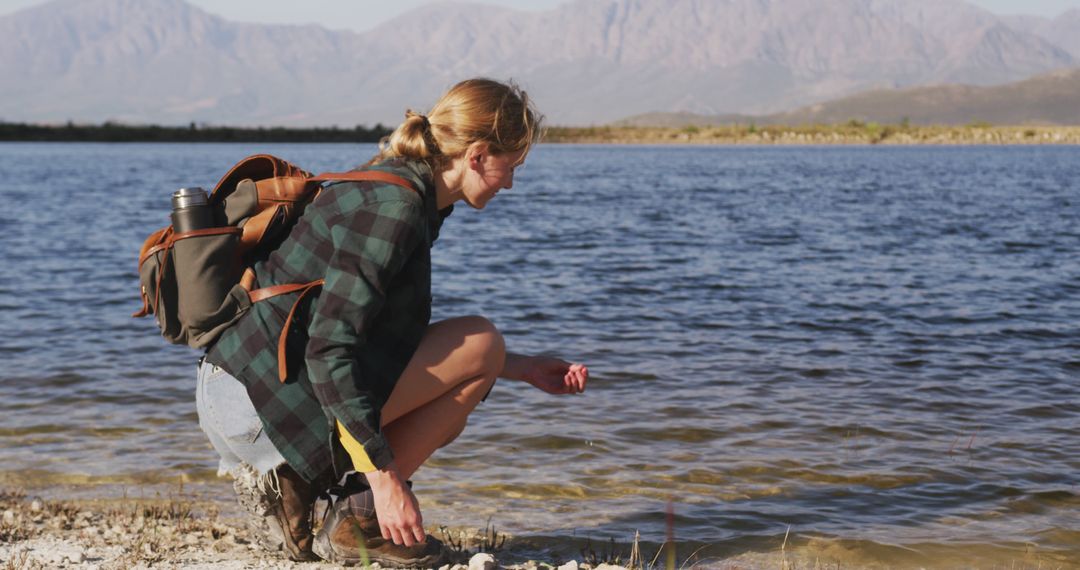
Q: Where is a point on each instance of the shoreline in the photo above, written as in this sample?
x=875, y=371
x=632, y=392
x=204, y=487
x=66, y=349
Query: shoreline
x=185, y=531
x=853, y=132
x=180, y=531
x=181, y=528
x=173, y=531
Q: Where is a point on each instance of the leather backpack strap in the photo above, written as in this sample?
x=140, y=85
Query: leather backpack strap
x=281, y=189
x=281, y=356
x=255, y=228
x=358, y=175
x=265, y=293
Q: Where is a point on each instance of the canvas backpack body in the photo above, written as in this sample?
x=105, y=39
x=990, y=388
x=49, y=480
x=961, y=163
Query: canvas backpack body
x=198, y=283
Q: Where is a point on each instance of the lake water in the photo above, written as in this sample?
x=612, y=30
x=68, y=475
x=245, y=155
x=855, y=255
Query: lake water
x=876, y=350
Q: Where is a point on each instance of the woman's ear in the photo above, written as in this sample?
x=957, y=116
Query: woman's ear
x=474, y=156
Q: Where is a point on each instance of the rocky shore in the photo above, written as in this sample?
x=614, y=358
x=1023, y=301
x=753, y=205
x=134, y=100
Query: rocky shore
x=175, y=533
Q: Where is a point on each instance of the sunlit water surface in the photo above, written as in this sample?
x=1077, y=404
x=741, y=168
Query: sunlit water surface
x=875, y=351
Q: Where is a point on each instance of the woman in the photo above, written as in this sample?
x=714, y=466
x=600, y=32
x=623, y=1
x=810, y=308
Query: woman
x=378, y=387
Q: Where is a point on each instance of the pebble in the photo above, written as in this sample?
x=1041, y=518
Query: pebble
x=482, y=561
x=572, y=565
x=75, y=557
x=459, y=567
x=36, y=505
x=606, y=566
x=9, y=517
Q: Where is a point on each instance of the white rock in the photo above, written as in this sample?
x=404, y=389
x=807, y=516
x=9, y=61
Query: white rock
x=9, y=516
x=482, y=561
x=609, y=567
x=36, y=505
x=572, y=565
x=75, y=557
x=459, y=567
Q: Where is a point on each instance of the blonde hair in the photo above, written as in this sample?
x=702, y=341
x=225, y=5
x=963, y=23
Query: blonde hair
x=475, y=110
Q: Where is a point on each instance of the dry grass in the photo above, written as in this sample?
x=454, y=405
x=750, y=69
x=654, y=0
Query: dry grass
x=462, y=544
x=852, y=132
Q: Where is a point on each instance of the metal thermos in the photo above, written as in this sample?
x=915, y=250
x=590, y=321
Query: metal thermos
x=191, y=210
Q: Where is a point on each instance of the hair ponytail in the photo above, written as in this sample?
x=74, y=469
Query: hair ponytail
x=412, y=138
x=475, y=110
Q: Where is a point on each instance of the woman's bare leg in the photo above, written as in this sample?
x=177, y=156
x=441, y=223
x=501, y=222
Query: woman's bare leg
x=453, y=368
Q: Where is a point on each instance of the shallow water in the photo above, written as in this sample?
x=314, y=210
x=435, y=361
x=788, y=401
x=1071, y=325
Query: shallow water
x=876, y=348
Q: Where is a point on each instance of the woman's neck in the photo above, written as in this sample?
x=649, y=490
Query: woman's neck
x=447, y=185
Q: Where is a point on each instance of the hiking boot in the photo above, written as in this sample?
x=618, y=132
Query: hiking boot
x=350, y=535
x=283, y=504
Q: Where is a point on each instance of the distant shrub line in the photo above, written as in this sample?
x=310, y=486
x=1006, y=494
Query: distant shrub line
x=118, y=132
x=851, y=132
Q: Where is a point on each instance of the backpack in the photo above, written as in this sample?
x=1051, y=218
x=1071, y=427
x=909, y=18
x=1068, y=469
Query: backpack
x=198, y=283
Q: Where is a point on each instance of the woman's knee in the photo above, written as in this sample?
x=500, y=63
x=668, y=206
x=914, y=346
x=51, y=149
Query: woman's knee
x=486, y=343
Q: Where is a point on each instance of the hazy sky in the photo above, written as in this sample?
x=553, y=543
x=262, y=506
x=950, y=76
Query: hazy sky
x=363, y=14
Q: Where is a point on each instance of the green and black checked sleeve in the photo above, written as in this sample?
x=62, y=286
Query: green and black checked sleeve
x=371, y=243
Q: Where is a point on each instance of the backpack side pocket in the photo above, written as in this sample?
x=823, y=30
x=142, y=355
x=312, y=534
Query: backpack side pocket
x=208, y=299
x=157, y=279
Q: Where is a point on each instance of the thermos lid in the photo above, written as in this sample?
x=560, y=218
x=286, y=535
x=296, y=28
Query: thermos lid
x=188, y=197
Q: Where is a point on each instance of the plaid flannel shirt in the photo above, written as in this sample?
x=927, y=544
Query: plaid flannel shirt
x=352, y=338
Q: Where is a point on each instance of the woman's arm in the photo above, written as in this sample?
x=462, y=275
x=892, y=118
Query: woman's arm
x=370, y=246
x=552, y=375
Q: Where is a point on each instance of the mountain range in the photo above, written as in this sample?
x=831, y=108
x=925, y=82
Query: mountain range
x=584, y=62
x=1049, y=99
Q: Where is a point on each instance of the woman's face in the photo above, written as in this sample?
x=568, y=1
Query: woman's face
x=487, y=174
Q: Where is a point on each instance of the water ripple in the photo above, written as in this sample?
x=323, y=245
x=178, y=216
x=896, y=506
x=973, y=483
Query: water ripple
x=873, y=347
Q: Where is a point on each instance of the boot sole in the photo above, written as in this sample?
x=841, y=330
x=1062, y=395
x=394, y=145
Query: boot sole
x=429, y=562
x=322, y=549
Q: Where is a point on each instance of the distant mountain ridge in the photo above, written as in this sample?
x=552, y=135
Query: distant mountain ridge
x=1050, y=99
x=1062, y=31
x=585, y=62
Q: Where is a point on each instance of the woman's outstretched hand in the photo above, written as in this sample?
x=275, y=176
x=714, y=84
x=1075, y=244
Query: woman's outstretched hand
x=396, y=507
x=552, y=375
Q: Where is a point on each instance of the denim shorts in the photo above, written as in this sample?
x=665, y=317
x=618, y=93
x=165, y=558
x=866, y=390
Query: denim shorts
x=230, y=421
